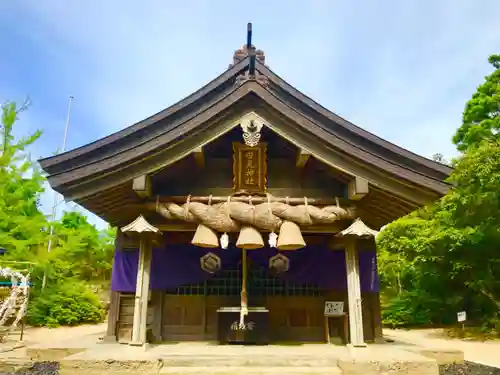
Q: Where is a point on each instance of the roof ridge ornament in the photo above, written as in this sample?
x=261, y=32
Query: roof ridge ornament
x=249, y=50
x=241, y=53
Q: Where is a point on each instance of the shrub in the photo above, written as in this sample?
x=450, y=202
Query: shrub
x=70, y=303
x=409, y=309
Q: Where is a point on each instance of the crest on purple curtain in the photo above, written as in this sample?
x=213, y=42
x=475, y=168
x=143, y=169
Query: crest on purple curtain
x=183, y=264
x=279, y=264
x=210, y=263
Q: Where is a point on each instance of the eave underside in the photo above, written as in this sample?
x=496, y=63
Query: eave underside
x=314, y=179
x=120, y=205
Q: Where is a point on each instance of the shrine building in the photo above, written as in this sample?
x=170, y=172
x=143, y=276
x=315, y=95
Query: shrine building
x=246, y=212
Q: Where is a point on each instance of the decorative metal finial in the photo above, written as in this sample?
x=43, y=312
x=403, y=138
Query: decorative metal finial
x=254, y=55
x=250, y=50
x=241, y=53
x=249, y=35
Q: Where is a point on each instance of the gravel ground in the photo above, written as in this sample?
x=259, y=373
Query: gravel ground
x=474, y=351
x=468, y=368
x=41, y=368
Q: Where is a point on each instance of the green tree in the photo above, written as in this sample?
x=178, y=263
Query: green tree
x=444, y=258
x=446, y=255
x=80, y=250
x=481, y=117
x=22, y=225
x=81, y=256
x=440, y=159
x=472, y=211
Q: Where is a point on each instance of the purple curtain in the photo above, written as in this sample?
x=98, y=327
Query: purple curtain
x=177, y=265
x=171, y=266
x=322, y=266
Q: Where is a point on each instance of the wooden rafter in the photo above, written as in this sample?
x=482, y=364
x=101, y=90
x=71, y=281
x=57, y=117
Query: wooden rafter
x=357, y=188
x=142, y=185
x=199, y=156
x=302, y=158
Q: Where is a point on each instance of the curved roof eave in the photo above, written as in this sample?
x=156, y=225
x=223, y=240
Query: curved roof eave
x=228, y=74
x=263, y=69
x=49, y=164
x=129, y=164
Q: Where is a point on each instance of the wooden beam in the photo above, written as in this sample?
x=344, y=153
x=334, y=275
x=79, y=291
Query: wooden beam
x=180, y=226
x=408, y=206
x=357, y=188
x=293, y=201
x=302, y=158
x=199, y=157
x=142, y=185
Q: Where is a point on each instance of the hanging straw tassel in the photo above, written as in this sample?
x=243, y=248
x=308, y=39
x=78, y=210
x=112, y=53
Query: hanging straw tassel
x=290, y=237
x=205, y=236
x=250, y=238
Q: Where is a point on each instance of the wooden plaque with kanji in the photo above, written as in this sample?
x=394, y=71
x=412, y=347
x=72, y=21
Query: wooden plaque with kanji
x=250, y=168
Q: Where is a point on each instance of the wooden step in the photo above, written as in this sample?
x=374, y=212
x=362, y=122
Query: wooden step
x=209, y=371
x=252, y=370
x=249, y=360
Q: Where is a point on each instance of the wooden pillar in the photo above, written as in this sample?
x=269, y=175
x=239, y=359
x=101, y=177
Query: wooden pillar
x=351, y=235
x=114, y=300
x=354, y=294
x=141, y=229
x=157, y=297
x=113, y=311
x=377, y=319
x=139, y=326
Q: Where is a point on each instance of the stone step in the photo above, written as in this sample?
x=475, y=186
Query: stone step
x=249, y=360
x=11, y=365
x=252, y=370
x=156, y=367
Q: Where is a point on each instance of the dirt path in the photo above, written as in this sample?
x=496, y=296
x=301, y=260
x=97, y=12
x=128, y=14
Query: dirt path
x=50, y=335
x=487, y=353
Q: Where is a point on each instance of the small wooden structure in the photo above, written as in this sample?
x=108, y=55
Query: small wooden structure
x=246, y=138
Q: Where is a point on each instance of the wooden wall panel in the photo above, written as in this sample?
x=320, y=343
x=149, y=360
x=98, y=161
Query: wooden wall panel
x=187, y=318
x=126, y=318
x=183, y=318
x=216, y=178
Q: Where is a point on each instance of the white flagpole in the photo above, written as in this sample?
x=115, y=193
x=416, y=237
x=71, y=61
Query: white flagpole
x=56, y=195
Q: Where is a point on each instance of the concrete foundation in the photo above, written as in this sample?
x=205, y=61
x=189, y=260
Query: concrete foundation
x=207, y=358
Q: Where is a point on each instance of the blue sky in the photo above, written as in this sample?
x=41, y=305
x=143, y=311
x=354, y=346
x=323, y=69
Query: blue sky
x=400, y=69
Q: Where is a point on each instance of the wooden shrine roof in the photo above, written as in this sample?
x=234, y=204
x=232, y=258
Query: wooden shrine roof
x=163, y=138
